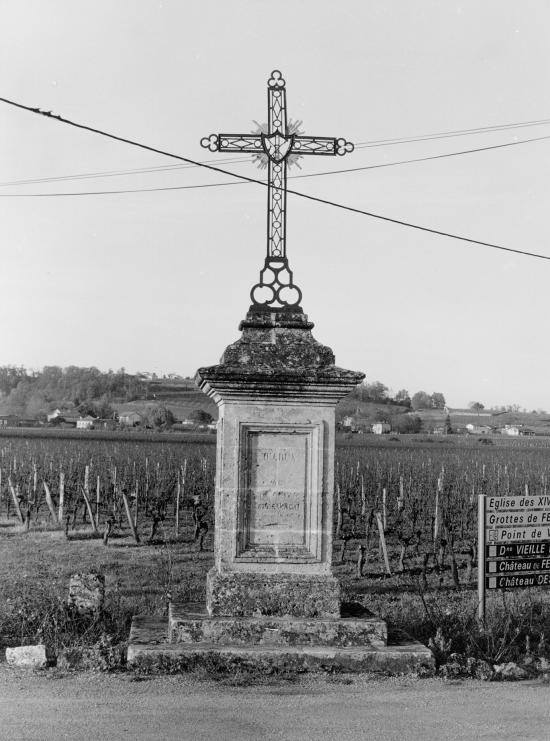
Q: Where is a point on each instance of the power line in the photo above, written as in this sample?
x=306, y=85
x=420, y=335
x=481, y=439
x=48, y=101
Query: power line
x=388, y=219
x=115, y=173
x=293, y=177
x=451, y=134
x=358, y=145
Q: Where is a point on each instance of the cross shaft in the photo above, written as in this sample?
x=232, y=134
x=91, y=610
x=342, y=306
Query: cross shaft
x=276, y=288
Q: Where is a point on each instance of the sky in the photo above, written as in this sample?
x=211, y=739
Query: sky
x=159, y=281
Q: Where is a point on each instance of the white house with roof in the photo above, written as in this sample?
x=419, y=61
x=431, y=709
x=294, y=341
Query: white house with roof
x=85, y=423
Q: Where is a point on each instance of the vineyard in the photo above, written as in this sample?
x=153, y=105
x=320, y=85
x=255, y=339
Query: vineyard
x=405, y=525
x=421, y=495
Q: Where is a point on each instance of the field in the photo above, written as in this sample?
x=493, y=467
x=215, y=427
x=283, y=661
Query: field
x=124, y=507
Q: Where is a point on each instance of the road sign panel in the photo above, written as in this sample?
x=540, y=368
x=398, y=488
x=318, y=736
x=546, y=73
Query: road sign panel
x=518, y=581
x=509, y=534
x=506, y=566
x=517, y=550
x=508, y=504
x=517, y=519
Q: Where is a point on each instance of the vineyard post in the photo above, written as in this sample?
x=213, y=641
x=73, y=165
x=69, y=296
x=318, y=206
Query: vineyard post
x=481, y=557
x=49, y=502
x=89, y=508
x=136, y=504
x=178, y=494
x=383, y=542
x=384, y=511
x=87, y=490
x=97, y=499
x=129, y=516
x=61, y=496
x=15, y=501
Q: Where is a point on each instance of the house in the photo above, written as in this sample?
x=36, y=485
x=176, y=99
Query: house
x=85, y=423
x=54, y=415
x=348, y=422
x=381, y=428
x=478, y=429
x=130, y=419
x=511, y=430
x=9, y=420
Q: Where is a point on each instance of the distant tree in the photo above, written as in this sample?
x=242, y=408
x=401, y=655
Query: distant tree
x=407, y=424
x=476, y=406
x=448, y=426
x=421, y=400
x=200, y=417
x=160, y=417
x=402, y=397
x=438, y=400
x=376, y=391
x=103, y=409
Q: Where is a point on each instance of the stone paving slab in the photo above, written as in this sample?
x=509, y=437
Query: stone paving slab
x=190, y=623
x=149, y=643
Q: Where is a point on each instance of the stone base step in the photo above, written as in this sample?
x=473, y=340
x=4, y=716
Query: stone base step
x=149, y=649
x=190, y=623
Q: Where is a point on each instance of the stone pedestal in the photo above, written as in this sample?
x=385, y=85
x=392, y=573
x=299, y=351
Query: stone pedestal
x=276, y=389
x=272, y=600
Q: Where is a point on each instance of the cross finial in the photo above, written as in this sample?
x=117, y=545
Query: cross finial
x=276, y=289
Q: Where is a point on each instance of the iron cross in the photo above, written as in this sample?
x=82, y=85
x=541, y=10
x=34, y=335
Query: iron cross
x=276, y=289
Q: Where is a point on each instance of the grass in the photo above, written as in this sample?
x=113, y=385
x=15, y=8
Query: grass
x=35, y=568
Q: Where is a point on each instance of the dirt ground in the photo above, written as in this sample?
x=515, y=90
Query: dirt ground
x=39, y=706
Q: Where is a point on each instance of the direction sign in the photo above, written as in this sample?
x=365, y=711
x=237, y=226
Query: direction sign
x=513, y=543
x=518, y=581
x=517, y=519
x=509, y=504
x=509, y=534
x=514, y=565
x=518, y=550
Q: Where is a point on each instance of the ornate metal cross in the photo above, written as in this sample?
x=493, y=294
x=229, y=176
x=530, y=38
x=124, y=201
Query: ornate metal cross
x=276, y=288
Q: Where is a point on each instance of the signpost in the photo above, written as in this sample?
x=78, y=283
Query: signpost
x=513, y=544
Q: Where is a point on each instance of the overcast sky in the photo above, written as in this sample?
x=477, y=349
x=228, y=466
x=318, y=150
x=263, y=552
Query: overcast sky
x=159, y=281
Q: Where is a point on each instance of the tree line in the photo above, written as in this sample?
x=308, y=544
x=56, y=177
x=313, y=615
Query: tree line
x=379, y=393
x=35, y=393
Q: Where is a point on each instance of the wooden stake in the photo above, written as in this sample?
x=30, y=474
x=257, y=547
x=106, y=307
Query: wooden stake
x=49, y=502
x=129, y=517
x=89, y=508
x=61, y=496
x=97, y=500
x=15, y=502
x=383, y=541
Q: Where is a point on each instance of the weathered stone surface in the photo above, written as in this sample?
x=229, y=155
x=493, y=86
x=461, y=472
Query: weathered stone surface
x=277, y=356
x=190, y=623
x=244, y=594
x=150, y=652
x=459, y=666
x=86, y=592
x=33, y=656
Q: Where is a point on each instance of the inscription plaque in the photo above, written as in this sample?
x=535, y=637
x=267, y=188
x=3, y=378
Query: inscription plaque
x=277, y=488
x=279, y=500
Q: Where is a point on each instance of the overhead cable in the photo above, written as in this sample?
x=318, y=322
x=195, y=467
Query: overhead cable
x=418, y=227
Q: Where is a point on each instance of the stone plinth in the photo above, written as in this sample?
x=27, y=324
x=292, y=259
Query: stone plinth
x=273, y=603
x=276, y=389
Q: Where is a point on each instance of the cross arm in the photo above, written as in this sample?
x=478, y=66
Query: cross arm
x=327, y=145
x=232, y=142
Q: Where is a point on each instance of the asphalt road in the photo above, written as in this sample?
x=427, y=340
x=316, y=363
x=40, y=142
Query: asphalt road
x=50, y=705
